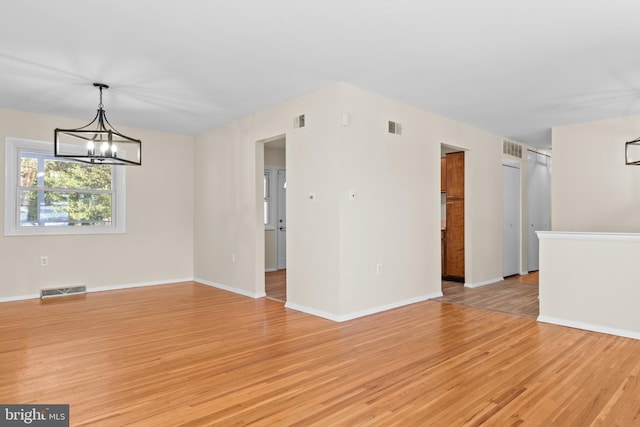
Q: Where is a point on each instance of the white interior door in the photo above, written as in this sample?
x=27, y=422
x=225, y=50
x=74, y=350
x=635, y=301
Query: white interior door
x=281, y=226
x=511, y=221
x=538, y=203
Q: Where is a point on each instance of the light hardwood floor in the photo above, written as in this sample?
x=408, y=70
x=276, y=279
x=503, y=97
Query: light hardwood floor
x=515, y=295
x=189, y=354
x=275, y=285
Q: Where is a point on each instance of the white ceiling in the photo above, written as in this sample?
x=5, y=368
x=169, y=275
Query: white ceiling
x=516, y=68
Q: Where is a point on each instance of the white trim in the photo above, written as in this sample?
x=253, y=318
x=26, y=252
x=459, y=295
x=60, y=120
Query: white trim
x=590, y=327
x=523, y=273
x=483, y=283
x=312, y=311
x=19, y=298
x=270, y=270
x=361, y=313
x=512, y=163
x=105, y=288
x=596, y=236
x=138, y=285
x=231, y=289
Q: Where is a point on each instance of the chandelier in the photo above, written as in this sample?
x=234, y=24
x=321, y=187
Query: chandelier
x=632, y=152
x=98, y=142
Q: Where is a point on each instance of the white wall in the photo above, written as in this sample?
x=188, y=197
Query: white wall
x=158, y=245
x=592, y=189
x=334, y=245
x=274, y=156
x=588, y=281
x=228, y=217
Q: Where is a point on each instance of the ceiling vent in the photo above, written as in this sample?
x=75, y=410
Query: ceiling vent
x=511, y=148
x=298, y=121
x=395, y=128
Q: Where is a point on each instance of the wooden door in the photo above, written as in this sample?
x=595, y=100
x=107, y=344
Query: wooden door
x=454, y=249
x=455, y=175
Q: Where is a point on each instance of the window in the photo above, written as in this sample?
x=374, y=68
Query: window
x=268, y=222
x=48, y=195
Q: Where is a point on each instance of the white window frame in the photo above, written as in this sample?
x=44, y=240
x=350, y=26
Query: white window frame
x=12, y=149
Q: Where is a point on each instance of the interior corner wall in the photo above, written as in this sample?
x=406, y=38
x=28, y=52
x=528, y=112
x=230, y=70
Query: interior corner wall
x=158, y=244
x=592, y=189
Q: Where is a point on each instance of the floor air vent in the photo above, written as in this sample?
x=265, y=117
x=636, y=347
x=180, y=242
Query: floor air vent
x=59, y=292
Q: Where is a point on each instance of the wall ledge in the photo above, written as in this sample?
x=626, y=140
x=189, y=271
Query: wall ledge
x=592, y=236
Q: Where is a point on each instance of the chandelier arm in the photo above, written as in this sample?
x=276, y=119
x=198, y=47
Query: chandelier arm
x=106, y=120
x=91, y=122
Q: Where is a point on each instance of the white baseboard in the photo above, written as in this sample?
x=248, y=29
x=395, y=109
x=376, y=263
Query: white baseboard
x=19, y=297
x=312, y=311
x=231, y=289
x=524, y=273
x=590, y=327
x=138, y=285
x=105, y=288
x=361, y=313
x=270, y=270
x=484, y=283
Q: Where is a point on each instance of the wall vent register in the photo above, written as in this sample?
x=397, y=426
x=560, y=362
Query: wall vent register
x=299, y=121
x=511, y=148
x=395, y=128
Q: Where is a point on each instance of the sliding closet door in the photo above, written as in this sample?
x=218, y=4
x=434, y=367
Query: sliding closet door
x=538, y=203
x=511, y=221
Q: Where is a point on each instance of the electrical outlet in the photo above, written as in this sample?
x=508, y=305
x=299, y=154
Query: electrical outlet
x=353, y=195
x=379, y=269
x=233, y=257
x=44, y=261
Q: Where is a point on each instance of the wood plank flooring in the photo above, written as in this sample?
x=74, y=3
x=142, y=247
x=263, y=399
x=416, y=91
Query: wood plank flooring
x=189, y=354
x=515, y=295
x=275, y=285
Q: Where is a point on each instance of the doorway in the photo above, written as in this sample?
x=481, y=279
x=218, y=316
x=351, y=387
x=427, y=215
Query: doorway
x=275, y=219
x=452, y=208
